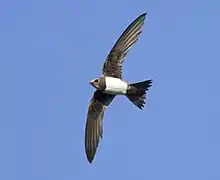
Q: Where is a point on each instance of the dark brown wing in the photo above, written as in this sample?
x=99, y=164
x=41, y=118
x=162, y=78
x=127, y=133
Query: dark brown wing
x=95, y=115
x=113, y=64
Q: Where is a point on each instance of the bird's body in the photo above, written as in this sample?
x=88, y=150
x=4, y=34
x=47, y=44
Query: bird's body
x=114, y=86
x=110, y=84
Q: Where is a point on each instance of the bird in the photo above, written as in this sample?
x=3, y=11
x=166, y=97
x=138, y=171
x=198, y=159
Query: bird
x=111, y=84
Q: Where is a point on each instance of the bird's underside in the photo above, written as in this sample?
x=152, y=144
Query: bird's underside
x=112, y=68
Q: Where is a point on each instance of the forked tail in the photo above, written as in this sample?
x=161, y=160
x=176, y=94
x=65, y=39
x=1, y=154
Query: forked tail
x=136, y=92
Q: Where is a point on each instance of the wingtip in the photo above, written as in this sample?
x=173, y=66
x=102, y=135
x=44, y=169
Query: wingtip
x=143, y=14
x=142, y=17
x=90, y=159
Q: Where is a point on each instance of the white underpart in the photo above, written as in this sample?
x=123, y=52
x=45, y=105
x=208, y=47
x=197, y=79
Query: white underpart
x=115, y=86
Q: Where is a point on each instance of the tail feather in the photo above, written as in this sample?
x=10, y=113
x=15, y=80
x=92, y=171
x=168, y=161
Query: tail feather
x=136, y=92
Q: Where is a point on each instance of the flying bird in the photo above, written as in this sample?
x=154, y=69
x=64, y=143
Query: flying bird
x=110, y=84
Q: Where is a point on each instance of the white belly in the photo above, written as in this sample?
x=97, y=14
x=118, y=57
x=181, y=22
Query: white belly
x=115, y=86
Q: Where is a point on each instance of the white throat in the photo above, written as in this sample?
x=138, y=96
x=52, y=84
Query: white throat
x=115, y=86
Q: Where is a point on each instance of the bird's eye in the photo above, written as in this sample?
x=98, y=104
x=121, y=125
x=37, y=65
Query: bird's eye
x=96, y=80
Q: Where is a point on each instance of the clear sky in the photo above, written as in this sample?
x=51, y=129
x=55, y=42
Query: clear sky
x=50, y=50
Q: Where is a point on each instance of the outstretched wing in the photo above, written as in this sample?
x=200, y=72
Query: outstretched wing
x=113, y=64
x=93, y=130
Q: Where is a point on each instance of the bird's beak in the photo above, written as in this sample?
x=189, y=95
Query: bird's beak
x=91, y=82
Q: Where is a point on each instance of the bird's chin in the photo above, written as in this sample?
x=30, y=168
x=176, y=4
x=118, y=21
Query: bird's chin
x=92, y=85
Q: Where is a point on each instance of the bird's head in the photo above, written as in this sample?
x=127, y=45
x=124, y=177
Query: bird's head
x=98, y=83
x=95, y=83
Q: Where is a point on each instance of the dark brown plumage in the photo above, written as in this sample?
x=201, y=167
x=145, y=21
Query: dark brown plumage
x=95, y=116
x=113, y=64
x=113, y=68
x=136, y=92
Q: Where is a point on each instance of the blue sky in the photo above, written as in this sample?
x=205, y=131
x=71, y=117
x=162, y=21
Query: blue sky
x=50, y=50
